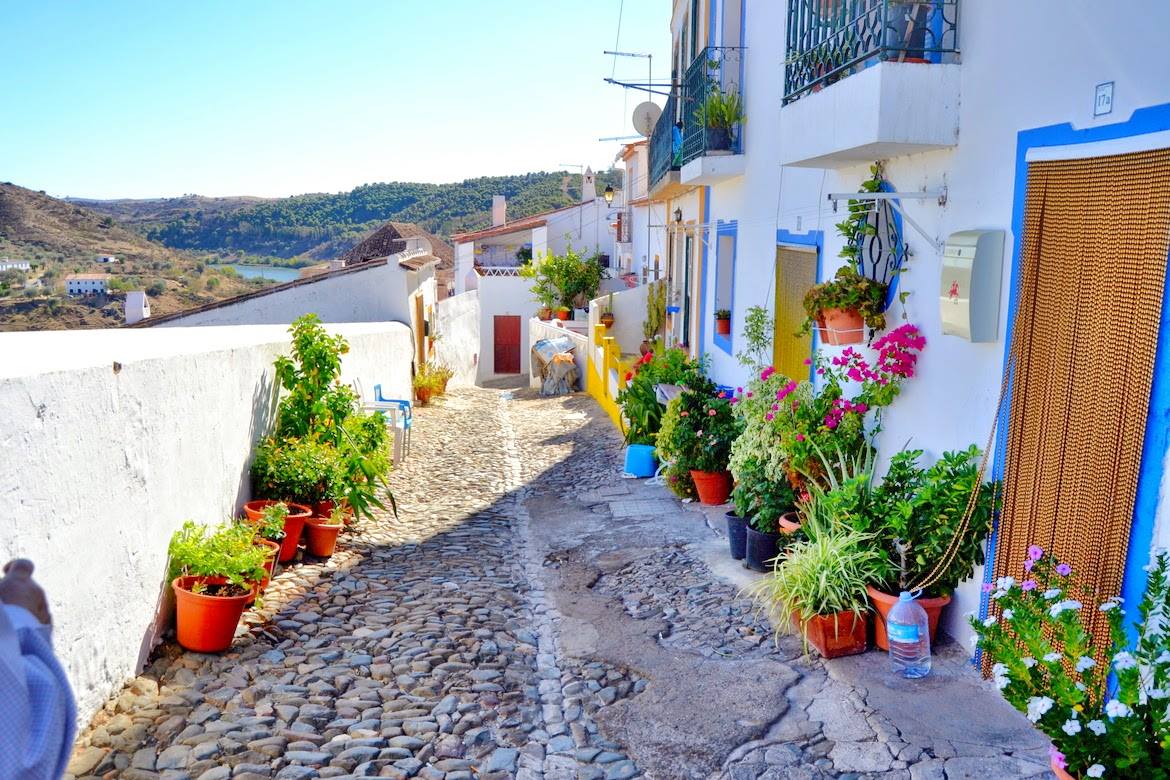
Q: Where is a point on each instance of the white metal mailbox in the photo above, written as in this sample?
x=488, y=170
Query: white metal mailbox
x=970, y=284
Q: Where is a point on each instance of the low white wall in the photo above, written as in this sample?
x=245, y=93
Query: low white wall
x=629, y=312
x=503, y=295
x=377, y=293
x=111, y=439
x=538, y=330
x=457, y=320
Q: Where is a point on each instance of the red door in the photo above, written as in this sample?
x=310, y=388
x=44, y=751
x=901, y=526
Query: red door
x=506, y=328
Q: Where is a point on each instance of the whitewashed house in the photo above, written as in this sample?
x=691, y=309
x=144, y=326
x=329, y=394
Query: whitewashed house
x=971, y=107
x=15, y=265
x=87, y=284
x=107, y=259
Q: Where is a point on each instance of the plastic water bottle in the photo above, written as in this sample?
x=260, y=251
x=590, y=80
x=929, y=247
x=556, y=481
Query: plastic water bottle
x=909, y=635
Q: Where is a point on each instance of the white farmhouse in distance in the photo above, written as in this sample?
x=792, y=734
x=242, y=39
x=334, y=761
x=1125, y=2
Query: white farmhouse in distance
x=87, y=284
x=15, y=265
x=107, y=259
x=137, y=307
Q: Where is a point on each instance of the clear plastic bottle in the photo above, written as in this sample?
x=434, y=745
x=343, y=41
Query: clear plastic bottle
x=909, y=635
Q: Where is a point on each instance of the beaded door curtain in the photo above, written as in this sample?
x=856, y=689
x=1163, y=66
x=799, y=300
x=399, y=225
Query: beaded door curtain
x=1093, y=266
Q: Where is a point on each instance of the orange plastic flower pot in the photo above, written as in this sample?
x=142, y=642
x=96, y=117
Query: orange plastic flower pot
x=835, y=635
x=320, y=538
x=293, y=525
x=839, y=327
x=884, y=602
x=713, y=486
x=204, y=623
x=723, y=327
x=271, y=551
x=253, y=510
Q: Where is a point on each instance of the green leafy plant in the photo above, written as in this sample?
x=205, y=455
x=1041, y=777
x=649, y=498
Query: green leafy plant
x=701, y=431
x=270, y=526
x=315, y=402
x=655, y=310
x=560, y=279
x=758, y=328
x=723, y=314
x=223, y=551
x=641, y=410
x=822, y=576
x=720, y=110
x=848, y=289
x=433, y=377
x=1043, y=662
x=302, y=470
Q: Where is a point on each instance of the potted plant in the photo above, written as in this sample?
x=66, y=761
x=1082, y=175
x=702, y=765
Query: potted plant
x=767, y=538
x=723, y=322
x=841, y=307
x=564, y=313
x=321, y=533
x=719, y=114
x=269, y=533
x=697, y=432
x=1104, y=719
x=737, y=521
x=299, y=470
x=641, y=409
x=818, y=589
x=607, y=318
x=214, y=573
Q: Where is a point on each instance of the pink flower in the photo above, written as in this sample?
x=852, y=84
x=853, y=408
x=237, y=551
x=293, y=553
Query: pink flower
x=1063, y=569
x=808, y=361
x=769, y=416
x=749, y=393
x=739, y=390
x=1056, y=757
x=1028, y=564
x=800, y=437
x=775, y=407
x=722, y=394
x=711, y=412
x=1035, y=552
x=1028, y=585
x=683, y=413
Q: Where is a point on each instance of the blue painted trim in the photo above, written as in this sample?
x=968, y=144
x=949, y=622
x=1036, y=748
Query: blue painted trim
x=813, y=238
x=706, y=270
x=1152, y=119
x=730, y=228
x=892, y=290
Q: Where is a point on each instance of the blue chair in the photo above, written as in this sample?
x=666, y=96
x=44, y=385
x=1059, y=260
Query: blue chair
x=397, y=413
x=405, y=416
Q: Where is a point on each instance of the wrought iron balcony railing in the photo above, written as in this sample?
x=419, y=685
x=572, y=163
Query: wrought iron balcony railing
x=712, y=80
x=830, y=39
x=662, y=152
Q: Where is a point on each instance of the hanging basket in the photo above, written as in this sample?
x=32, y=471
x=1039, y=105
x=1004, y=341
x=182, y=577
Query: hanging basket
x=838, y=327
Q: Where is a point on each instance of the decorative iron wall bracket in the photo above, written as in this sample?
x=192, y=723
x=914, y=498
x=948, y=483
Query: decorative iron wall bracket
x=892, y=199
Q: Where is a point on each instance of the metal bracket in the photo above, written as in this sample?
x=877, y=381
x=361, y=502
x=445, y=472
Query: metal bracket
x=892, y=198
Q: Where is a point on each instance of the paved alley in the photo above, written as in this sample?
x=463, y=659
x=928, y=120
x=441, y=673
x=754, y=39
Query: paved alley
x=529, y=614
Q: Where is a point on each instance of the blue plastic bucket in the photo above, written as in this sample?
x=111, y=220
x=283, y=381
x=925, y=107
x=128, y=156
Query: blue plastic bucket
x=640, y=460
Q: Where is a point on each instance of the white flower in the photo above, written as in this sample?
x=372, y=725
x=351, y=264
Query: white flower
x=1085, y=663
x=1123, y=661
x=1158, y=693
x=1106, y=606
x=1037, y=706
x=999, y=594
x=1071, y=727
x=1096, y=770
x=1052, y=658
x=1029, y=661
x=1051, y=593
x=1061, y=606
x=1116, y=709
x=1008, y=614
x=1005, y=583
x=1097, y=727
x=1081, y=686
x=973, y=640
x=989, y=621
x=1000, y=671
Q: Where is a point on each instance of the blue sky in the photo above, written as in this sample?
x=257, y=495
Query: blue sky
x=144, y=98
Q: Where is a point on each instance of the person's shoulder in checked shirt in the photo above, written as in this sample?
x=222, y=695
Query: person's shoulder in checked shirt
x=37, y=713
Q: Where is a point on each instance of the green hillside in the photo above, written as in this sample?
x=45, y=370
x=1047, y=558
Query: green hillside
x=321, y=226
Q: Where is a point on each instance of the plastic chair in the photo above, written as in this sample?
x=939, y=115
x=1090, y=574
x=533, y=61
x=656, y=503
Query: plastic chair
x=405, y=416
x=398, y=415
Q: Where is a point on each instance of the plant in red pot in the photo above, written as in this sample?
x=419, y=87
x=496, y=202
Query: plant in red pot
x=841, y=308
x=294, y=470
x=214, y=572
x=723, y=322
x=697, y=432
x=270, y=526
x=818, y=589
x=321, y=533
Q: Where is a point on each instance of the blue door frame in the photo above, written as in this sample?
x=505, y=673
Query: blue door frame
x=1157, y=436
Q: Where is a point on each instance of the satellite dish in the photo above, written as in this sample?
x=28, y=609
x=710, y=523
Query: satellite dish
x=645, y=117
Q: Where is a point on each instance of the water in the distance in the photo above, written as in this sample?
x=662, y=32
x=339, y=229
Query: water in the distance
x=274, y=272
x=909, y=633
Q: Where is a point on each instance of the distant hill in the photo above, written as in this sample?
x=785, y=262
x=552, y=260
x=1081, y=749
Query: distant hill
x=323, y=226
x=59, y=237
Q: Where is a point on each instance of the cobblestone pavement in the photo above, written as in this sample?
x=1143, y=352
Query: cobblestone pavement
x=531, y=615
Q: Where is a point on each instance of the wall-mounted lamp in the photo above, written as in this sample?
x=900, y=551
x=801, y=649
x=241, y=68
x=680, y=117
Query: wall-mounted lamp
x=678, y=216
x=608, y=194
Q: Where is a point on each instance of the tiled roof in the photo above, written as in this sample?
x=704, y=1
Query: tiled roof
x=86, y=277
x=390, y=239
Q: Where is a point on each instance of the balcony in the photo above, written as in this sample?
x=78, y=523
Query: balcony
x=867, y=79
x=710, y=156
x=665, y=158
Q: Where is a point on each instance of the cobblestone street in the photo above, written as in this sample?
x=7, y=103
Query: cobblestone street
x=528, y=615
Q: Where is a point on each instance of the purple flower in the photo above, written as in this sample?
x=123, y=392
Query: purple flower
x=987, y=587
x=1028, y=585
x=1035, y=552
x=1063, y=569
x=769, y=416
x=1028, y=564
x=1056, y=757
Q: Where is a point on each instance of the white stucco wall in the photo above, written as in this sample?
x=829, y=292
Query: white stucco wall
x=111, y=439
x=457, y=319
x=629, y=313
x=502, y=295
x=375, y=294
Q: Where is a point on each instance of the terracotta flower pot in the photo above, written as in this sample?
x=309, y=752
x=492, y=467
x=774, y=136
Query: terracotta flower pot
x=545, y=314
x=884, y=602
x=713, y=486
x=607, y=320
x=271, y=551
x=723, y=326
x=205, y=623
x=646, y=347
x=789, y=523
x=835, y=635
x=423, y=394
x=321, y=537
x=254, y=509
x=563, y=314
x=838, y=327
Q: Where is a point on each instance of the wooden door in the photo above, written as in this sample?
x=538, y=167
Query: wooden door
x=506, y=340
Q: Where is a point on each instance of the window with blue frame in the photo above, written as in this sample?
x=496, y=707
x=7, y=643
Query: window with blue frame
x=725, y=246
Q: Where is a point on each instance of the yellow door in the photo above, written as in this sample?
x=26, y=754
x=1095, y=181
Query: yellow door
x=796, y=272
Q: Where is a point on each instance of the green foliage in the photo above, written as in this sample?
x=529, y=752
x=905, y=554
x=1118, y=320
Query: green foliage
x=316, y=403
x=757, y=339
x=825, y=575
x=224, y=551
x=563, y=278
x=758, y=461
x=270, y=526
x=1043, y=663
x=856, y=227
x=432, y=376
x=304, y=470
x=655, y=310
x=723, y=314
x=847, y=290
x=641, y=411
x=719, y=109
x=157, y=288
x=698, y=430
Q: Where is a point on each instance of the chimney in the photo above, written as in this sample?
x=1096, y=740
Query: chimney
x=137, y=307
x=499, y=210
x=588, y=186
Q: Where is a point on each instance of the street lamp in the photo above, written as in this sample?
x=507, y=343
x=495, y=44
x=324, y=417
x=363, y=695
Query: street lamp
x=678, y=216
x=608, y=194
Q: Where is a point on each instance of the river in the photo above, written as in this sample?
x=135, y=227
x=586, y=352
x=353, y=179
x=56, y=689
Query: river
x=275, y=272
